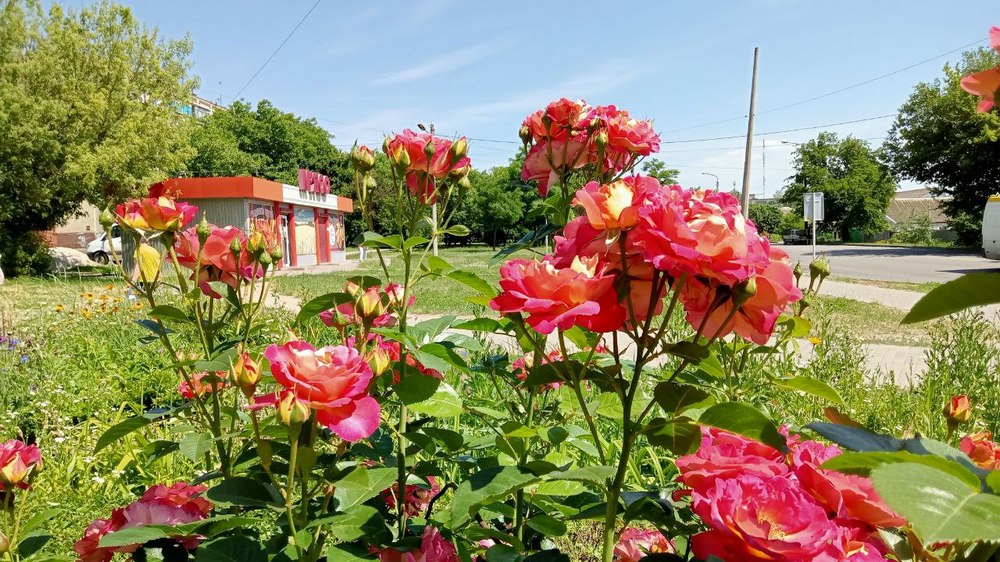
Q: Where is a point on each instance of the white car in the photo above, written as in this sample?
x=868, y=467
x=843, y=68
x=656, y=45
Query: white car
x=99, y=251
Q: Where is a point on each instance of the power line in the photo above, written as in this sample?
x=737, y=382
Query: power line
x=289, y=36
x=783, y=130
x=834, y=92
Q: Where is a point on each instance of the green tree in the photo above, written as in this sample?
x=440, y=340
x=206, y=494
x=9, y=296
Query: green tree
x=939, y=139
x=766, y=217
x=497, y=205
x=88, y=111
x=657, y=169
x=857, y=186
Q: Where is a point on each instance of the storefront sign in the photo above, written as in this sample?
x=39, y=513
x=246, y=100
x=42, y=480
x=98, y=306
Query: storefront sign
x=312, y=182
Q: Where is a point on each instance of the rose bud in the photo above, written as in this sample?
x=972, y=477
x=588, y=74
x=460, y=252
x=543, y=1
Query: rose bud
x=276, y=254
x=107, y=218
x=4, y=544
x=458, y=173
x=459, y=149
x=395, y=292
x=352, y=289
x=379, y=361
x=429, y=148
x=362, y=158
x=797, y=272
x=369, y=305
x=235, y=247
x=744, y=291
x=246, y=373
x=601, y=139
x=958, y=409
x=204, y=230
x=292, y=411
x=525, y=134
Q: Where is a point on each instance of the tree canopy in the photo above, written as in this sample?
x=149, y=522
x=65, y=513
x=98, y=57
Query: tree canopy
x=857, y=186
x=939, y=139
x=657, y=169
x=88, y=111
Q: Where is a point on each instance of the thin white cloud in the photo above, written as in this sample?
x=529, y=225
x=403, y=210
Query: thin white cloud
x=441, y=64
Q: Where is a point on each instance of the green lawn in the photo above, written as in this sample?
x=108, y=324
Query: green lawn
x=924, y=287
x=434, y=296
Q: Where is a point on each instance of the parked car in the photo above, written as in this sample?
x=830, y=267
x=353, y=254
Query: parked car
x=797, y=236
x=99, y=251
x=991, y=228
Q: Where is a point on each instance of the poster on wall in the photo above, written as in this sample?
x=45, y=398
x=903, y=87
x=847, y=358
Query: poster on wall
x=305, y=234
x=337, y=234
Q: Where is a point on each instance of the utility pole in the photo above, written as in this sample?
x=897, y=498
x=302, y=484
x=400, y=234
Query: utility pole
x=746, y=158
x=763, y=169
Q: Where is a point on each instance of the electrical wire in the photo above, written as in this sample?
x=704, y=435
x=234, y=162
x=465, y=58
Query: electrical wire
x=275, y=52
x=730, y=137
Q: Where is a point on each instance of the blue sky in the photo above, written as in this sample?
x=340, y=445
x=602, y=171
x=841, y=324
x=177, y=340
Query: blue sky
x=477, y=68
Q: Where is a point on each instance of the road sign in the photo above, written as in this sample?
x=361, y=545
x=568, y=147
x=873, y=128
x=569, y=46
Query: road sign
x=812, y=203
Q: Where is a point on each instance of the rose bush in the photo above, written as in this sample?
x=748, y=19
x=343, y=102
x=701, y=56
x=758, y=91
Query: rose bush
x=351, y=436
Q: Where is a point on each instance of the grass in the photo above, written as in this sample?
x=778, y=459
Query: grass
x=871, y=322
x=434, y=296
x=924, y=287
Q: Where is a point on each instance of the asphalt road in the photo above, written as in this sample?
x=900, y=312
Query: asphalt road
x=895, y=264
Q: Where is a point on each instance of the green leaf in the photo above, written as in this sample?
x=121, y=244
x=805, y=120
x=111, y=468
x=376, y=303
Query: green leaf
x=679, y=436
x=37, y=519
x=993, y=481
x=856, y=439
x=362, y=484
x=444, y=403
x=32, y=542
x=349, y=553
x=938, y=506
x=487, y=485
x=314, y=306
x=744, y=420
x=167, y=312
x=812, y=386
x=863, y=463
x=478, y=325
x=231, y=549
x=415, y=387
x=195, y=445
x=361, y=521
x=687, y=350
x=548, y=373
x=116, y=432
x=457, y=230
x=595, y=474
x=972, y=289
x=675, y=398
x=438, y=264
x=135, y=535
x=530, y=240
x=797, y=326
x=453, y=440
x=373, y=240
x=245, y=492
x=547, y=525
x=414, y=241
x=440, y=357
x=473, y=281
x=431, y=328
x=153, y=326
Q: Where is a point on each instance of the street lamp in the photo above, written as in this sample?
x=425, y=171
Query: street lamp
x=714, y=176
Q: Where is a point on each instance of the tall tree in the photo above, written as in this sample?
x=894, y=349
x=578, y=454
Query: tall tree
x=856, y=185
x=87, y=112
x=939, y=139
x=657, y=169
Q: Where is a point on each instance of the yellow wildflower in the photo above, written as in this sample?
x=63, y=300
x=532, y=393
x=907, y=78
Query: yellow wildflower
x=137, y=306
x=815, y=341
x=58, y=308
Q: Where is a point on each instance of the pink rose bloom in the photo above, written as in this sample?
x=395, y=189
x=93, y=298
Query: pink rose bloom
x=628, y=138
x=724, y=455
x=764, y=518
x=548, y=160
x=580, y=239
x=566, y=118
x=417, y=498
x=18, y=461
x=155, y=212
x=982, y=450
x=217, y=262
x=202, y=387
x=333, y=381
x=422, y=171
x=433, y=548
x=635, y=544
x=160, y=505
x=701, y=233
x=581, y=294
x=985, y=84
x=755, y=319
x=86, y=548
x=614, y=206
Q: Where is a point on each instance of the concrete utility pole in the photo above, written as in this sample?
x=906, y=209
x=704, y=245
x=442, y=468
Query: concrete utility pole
x=746, y=159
